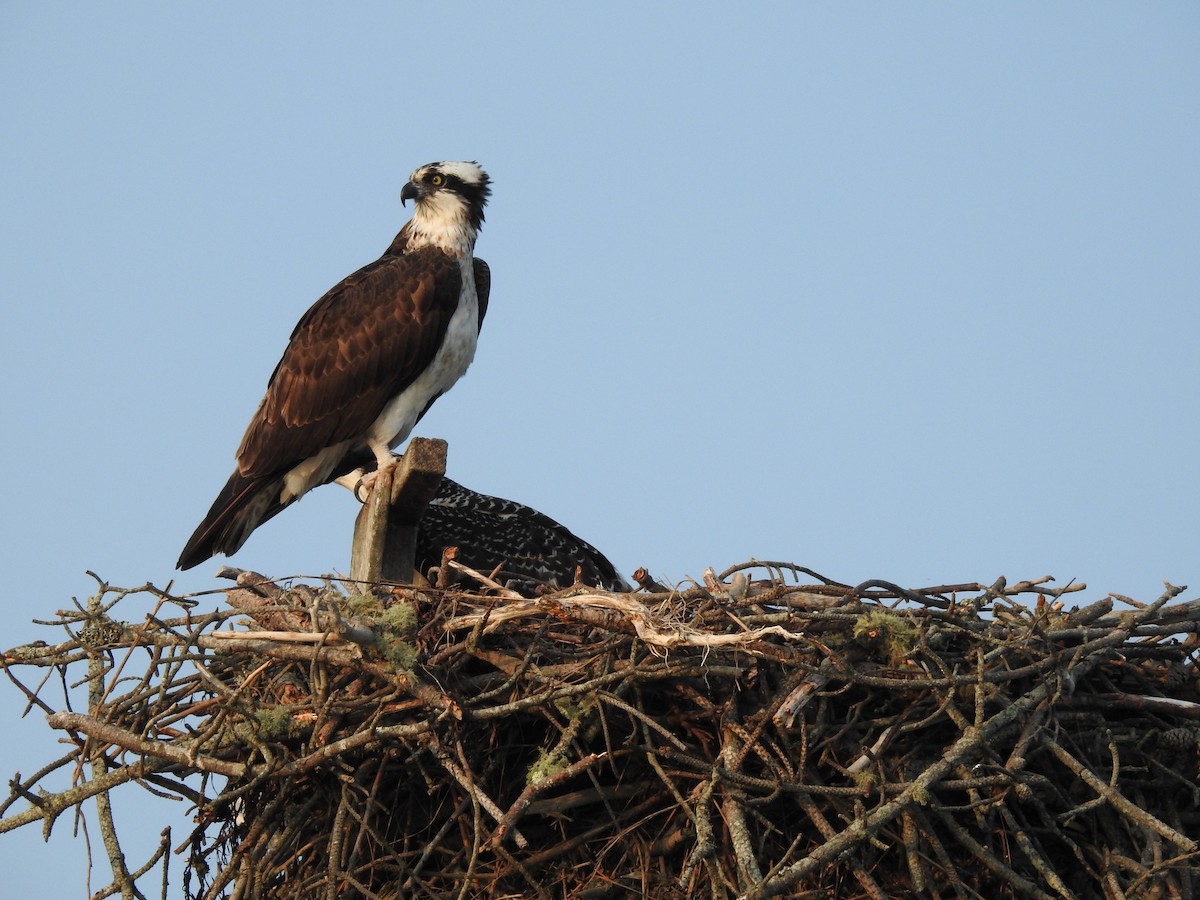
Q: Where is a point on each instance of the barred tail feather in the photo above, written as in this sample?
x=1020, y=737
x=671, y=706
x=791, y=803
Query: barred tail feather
x=243, y=505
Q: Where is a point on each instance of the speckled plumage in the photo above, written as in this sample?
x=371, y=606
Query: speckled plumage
x=528, y=547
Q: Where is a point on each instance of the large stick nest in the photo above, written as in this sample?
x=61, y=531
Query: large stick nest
x=736, y=738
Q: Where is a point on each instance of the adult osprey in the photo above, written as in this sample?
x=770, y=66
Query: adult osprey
x=364, y=363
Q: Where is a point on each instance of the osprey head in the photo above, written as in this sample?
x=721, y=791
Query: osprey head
x=449, y=189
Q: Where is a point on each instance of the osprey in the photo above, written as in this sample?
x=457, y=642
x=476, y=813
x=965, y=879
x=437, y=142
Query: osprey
x=364, y=363
x=529, y=548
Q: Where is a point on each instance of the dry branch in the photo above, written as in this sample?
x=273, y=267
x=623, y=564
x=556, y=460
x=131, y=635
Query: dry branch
x=737, y=737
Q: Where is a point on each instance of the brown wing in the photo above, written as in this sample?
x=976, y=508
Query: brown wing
x=357, y=347
x=483, y=287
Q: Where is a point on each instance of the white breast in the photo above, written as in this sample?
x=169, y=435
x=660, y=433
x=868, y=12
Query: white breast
x=452, y=360
x=400, y=415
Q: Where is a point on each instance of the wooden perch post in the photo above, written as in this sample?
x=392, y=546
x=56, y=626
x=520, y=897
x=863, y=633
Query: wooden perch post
x=385, y=532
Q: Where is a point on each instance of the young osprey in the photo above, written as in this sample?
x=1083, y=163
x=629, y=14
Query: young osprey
x=529, y=548
x=365, y=362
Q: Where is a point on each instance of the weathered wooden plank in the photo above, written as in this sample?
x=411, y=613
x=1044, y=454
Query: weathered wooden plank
x=385, y=532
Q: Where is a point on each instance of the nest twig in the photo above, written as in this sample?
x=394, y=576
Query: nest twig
x=738, y=737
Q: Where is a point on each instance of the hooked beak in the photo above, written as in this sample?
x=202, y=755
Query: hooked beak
x=410, y=191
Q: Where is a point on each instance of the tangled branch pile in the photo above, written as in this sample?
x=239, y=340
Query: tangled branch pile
x=738, y=738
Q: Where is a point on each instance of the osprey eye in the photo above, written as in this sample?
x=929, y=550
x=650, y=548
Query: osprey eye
x=437, y=180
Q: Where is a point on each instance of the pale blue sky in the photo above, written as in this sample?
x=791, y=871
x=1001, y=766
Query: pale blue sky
x=891, y=291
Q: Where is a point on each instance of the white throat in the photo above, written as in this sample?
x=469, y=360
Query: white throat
x=440, y=220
